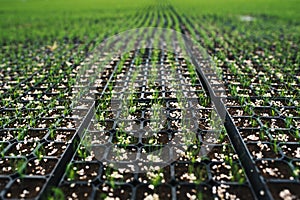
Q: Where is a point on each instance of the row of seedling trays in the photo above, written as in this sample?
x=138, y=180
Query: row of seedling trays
x=270, y=130
x=36, y=149
x=37, y=130
x=263, y=108
x=91, y=173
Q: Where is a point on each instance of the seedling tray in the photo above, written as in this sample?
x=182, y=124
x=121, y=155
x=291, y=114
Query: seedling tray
x=37, y=133
x=48, y=151
x=218, y=173
x=259, y=122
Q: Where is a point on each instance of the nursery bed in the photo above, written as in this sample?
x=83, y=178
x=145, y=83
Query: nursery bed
x=217, y=174
x=57, y=142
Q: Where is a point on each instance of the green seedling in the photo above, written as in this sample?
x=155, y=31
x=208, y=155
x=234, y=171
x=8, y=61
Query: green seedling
x=40, y=152
x=155, y=177
x=156, y=180
x=2, y=147
x=275, y=146
x=82, y=152
x=200, y=172
x=237, y=173
x=132, y=109
x=273, y=112
x=233, y=90
x=288, y=122
x=22, y=133
x=248, y=110
x=297, y=134
x=110, y=178
x=56, y=194
x=262, y=135
x=222, y=136
x=243, y=100
x=71, y=172
x=138, y=61
x=199, y=196
x=253, y=122
x=19, y=167
x=32, y=122
x=296, y=172
x=228, y=159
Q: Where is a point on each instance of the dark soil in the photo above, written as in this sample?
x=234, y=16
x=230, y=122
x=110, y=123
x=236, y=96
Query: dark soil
x=42, y=167
x=31, y=185
x=121, y=191
x=163, y=191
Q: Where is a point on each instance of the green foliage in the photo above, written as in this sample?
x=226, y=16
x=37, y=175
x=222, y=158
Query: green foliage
x=56, y=194
x=41, y=35
x=36, y=19
x=70, y=172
